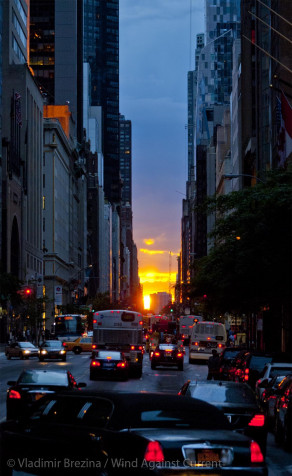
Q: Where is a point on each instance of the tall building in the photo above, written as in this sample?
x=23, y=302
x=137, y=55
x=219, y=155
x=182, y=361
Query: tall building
x=126, y=159
x=56, y=54
x=101, y=51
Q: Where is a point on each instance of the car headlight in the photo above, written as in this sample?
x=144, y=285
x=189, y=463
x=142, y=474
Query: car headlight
x=27, y=351
x=44, y=351
x=62, y=351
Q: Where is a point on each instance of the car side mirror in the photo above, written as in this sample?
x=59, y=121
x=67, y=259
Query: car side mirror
x=11, y=382
x=81, y=384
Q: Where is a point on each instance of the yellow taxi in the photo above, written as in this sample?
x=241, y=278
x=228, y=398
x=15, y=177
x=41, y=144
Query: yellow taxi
x=82, y=344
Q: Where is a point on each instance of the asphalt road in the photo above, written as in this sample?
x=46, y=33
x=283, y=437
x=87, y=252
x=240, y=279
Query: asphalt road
x=166, y=380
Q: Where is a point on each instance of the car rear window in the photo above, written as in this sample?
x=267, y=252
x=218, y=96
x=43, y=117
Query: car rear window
x=280, y=371
x=257, y=362
x=44, y=378
x=103, y=354
x=75, y=411
x=223, y=394
x=230, y=354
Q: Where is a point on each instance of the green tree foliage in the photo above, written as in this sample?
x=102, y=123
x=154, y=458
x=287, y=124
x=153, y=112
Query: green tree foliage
x=250, y=264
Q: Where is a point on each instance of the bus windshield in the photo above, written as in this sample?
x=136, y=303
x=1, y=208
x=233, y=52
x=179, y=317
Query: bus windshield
x=70, y=325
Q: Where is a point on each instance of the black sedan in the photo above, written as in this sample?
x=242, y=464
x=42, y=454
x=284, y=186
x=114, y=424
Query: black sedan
x=109, y=364
x=52, y=349
x=237, y=401
x=167, y=355
x=22, y=350
x=33, y=385
x=126, y=433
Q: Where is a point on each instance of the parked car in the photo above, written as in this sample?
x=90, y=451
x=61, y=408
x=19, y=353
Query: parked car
x=52, y=349
x=82, y=344
x=283, y=414
x=269, y=397
x=238, y=403
x=167, y=355
x=32, y=385
x=142, y=433
x=226, y=359
x=109, y=364
x=23, y=350
x=271, y=370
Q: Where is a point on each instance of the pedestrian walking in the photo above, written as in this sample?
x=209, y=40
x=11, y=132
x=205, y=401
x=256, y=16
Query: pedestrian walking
x=213, y=366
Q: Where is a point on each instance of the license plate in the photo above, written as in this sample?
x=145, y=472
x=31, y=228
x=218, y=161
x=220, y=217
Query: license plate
x=108, y=365
x=204, y=456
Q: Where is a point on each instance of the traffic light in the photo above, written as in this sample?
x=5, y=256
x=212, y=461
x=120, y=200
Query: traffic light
x=27, y=292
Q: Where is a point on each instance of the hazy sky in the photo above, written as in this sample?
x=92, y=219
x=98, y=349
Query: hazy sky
x=155, y=56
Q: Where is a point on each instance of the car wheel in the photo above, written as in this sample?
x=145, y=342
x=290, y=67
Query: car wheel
x=77, y=350
x=41, y=359
x=64, y=359
x=8, y=356
x=153, y=366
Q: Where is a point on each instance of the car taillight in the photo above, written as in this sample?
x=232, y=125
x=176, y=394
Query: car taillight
x=94, y=346
x=256, y=456
x=257, y=420
x=246, y=372
x=140, y=347
x=14, y=394
x=154, y=452
x=95, y=363
x=132, y=347
x=64, y=344
x=180, y=354
x=157, y=354
x=121, y=364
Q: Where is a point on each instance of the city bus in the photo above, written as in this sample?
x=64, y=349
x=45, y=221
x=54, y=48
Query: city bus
x=206, y=336
x=68, y=327
x=120, y=330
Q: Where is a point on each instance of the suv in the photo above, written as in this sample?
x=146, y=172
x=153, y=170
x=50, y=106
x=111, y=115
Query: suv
x=226, y=359
x=169, y=355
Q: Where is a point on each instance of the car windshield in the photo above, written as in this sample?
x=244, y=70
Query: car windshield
x=26, y=345
x=223, y=394
x=44, y=378
x=257, y=362
x=53, y=343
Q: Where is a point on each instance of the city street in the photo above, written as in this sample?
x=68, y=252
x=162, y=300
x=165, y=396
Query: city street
x=166, y=380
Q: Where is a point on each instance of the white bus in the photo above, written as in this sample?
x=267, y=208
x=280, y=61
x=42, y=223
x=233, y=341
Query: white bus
x=120, y=330
x=185, y=325
x=206, y=336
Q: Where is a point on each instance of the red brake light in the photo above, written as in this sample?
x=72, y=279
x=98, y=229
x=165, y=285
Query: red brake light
x=14, y=394
x=157, y=354
x=121, y=364
x=179, y=354
x=132, y=347
x=140, y=347
x=256, y=456
x=95, y=363
x=219, y=345
x=94, y=346
x=154, y=452
x=141, y=323
x=94, y=321
x=246, y=371
x=257, y=420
